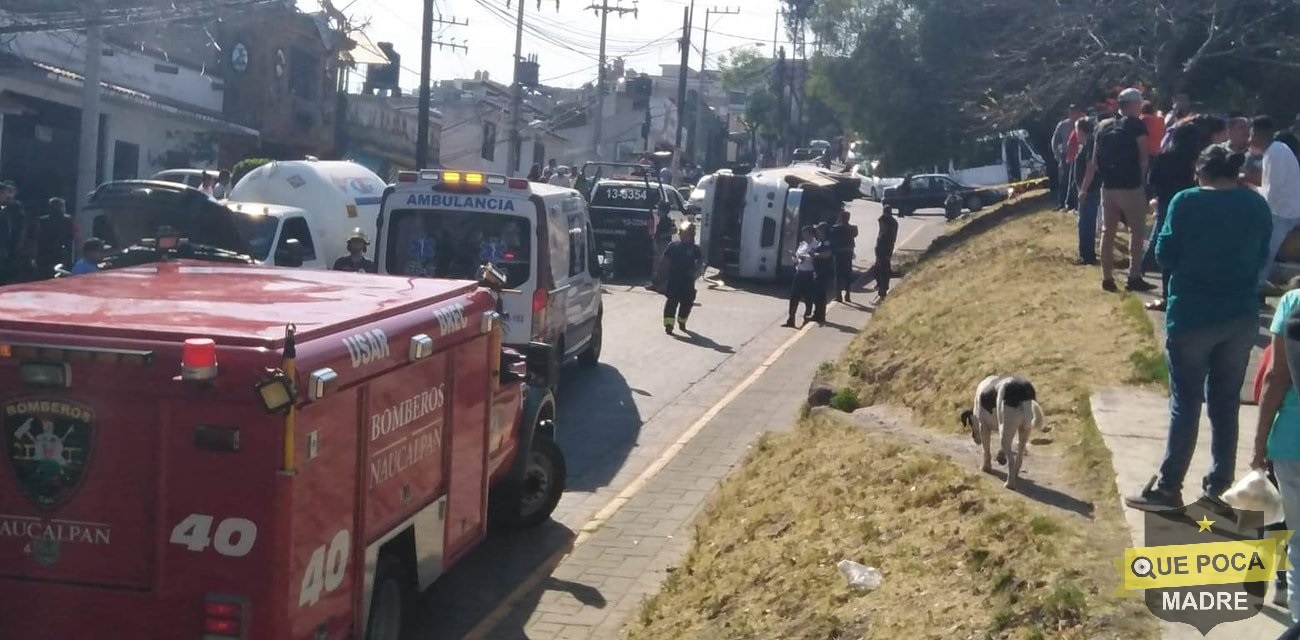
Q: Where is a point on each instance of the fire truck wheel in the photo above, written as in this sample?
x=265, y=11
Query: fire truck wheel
x=543, y=484
x=392, y=605
x=591, y=355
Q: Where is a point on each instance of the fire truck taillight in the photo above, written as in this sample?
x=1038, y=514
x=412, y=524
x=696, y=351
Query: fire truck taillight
x=199, y=359
x=223, y=619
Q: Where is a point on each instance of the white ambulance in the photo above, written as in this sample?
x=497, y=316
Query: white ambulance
x=446, y=223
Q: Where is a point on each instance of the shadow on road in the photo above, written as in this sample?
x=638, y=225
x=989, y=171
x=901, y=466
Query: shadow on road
x=489, y=574
x=598, y=425
x=694, y=338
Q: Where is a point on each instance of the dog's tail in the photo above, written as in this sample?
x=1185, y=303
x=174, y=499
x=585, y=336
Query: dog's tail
x=1040, y=422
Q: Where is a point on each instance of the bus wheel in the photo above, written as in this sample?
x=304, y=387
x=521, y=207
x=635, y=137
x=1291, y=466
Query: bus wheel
x=392, y=604
x=543, y=483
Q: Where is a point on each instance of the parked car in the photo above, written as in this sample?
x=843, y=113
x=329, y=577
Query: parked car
x=929, y=191
x=806, y=154
x=872, y=187
x=187, y=177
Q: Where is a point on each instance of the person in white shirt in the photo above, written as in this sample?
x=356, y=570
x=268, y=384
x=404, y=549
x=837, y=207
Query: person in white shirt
x=222, y=186
x=561, y=178
x=804, y=287
x=1280, y=186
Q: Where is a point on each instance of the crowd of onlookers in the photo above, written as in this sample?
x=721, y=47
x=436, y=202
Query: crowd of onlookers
x=1225, y=194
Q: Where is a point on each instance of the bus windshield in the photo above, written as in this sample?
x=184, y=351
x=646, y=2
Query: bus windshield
x=441, y=243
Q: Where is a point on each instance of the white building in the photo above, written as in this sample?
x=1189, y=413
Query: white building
x=476, y=129
x=157, y=112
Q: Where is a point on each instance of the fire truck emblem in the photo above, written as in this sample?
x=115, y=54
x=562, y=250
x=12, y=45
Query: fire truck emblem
x=48, y=444
x=44, y=551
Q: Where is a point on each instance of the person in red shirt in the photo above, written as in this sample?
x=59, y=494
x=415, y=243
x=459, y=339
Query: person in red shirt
x=1155, y=127
x=1072, y=153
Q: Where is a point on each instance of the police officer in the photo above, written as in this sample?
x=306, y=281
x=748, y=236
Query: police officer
x=843, y=237
x=356, y=260
x=683, y=263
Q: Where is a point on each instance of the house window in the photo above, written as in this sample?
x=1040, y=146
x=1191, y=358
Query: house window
x=489, y=151
x=305, y=74
x=126, y=160
x=539, y=153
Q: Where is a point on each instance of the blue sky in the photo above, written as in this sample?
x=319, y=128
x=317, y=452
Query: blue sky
x=568, y=40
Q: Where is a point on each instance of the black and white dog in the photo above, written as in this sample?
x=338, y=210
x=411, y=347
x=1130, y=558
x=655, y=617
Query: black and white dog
x=1009, y=405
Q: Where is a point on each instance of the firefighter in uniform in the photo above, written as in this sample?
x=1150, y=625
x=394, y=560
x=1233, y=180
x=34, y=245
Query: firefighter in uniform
x=356, y=260
x=682, y=264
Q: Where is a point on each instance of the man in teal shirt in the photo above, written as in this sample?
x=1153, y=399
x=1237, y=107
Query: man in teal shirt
x=1213, y=244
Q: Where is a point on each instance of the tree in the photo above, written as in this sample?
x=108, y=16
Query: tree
x=750, y=73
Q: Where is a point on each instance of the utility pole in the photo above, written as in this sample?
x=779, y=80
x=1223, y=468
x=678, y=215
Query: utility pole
x=687, y=12
x=783, y=107
x=701, y=109
x=517, y=92
x=88, y=138
x=426, y=67
x=604, y=9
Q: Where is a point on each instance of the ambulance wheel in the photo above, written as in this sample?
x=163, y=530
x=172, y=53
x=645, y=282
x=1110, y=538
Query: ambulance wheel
x=591, y=355
x=543, y=484
x=392, y=605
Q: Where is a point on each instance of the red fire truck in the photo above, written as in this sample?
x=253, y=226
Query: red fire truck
x=200, y=450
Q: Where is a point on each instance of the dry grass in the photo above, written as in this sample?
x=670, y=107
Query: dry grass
x=962, y=557
x=1008, y=301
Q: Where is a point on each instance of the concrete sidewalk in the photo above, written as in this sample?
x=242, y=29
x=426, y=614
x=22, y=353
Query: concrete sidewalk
x=600, y=585
x=1134, y=423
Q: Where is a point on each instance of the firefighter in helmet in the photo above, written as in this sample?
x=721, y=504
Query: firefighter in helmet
x=356, y=260
x=682, y=264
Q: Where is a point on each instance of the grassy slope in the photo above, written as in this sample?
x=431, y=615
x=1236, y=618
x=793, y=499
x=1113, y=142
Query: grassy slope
x=962, y=558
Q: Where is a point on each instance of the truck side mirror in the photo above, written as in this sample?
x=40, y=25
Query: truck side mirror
x=541, y=363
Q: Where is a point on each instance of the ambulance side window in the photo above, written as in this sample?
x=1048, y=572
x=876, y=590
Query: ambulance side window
x=577, y=251
x=296, y=229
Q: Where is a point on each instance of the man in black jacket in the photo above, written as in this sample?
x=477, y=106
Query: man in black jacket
x=843, y=243
x=55, y=235
x=884, y=254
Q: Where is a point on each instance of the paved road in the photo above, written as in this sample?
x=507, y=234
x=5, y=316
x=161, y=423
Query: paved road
x=615, y=420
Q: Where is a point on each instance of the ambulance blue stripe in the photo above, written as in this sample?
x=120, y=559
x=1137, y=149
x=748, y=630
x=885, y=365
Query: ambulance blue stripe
x=361, y=202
